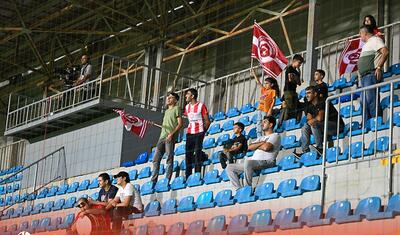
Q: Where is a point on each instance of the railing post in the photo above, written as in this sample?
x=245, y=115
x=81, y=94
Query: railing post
x=324, y=176
x=390, y=190
x=8, y=110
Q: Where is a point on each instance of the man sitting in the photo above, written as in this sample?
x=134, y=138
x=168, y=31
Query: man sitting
x=235, y=146
x=315, y=111
x=266, y=150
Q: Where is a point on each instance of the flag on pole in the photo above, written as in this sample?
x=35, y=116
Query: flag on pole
x=132, y=123
x=349, y=57
x=265, y=50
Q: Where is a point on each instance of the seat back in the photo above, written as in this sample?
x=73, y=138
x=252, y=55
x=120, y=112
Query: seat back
x=196, y=227
x=285, y=217
x=223, y=196
x=204, y=198
x=311, y=213
x=238, y=222
x=176, y=229
x=216, y=224
x=244, y=194
x=286, y=186
x=260, y=218
x=169, y=207
x=368, y=206
x=310, y=183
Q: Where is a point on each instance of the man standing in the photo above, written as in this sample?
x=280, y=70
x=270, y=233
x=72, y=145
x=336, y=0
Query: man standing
x=171, y=125
x=266, y=150
x=370, y=65
x=86, y=71
x=126, y=201
x=292, y=80
x=315, y=112
x=320, y=86
x=199, y=122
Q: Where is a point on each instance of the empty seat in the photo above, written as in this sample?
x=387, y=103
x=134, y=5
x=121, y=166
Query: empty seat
x=27, y=210
x=158, y=230
x=133, y=174
x=349, y=110
x=224, y=198
x=205, y=200
x=245, y=120
x=212, y=177
x=62, y=189
x=48, y=207
x=67, y=221
x=147, y=188
x=84, y=185
x=142, y=158
x=376, y=124
x=94, y=184
x=254, y=118
x=145, y=172
x=371, y=208
x=195, y=228
x=219, y=116
x=386, y=102
x=23, y=227
x=44, y=224
x=59, y=204
x=238, y=225
x=178, y=183
x=339, y=212
x=55, y=223
x=153, y=209
x=233, y=112
x=224, y=176
x=312, y=216
x=215, y=157
x=180, y=150
x=285, y=219
x=288, y=188
x=209, y=143
x=392, y=209
x=245, y=194
x=265, y=191
x=142, y=230
x=17, y=212
x=73, y=187
x=216, y=225
x=70, y=203
x=333, y=153
x=289, y=162
x=33, y=226
x=43, y=193
x=186, y=204
x=7, y=214
x=37, y=208
x=341, y=83
x=310, y=159
x=214, y=129
x=162, y=185
x=194, y=180
x=261, y=221
x=94, y=196
x=169, y=207
x=222, y=138
x=228, y=125
x=176, y=229
x=247, y=108
x=382, y=145
x=252, y=133
x=291, y=124
x=355, y=127
x=290, y=142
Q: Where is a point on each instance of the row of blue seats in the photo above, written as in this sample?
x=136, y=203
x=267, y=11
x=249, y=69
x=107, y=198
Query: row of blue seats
x=11, y=170
x=11, y=179
x=9, y=188
x=266, y=191
x=262, y=220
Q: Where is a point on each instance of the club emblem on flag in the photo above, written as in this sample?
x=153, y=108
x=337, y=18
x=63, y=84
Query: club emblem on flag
x=349, y=57
x=132, y=123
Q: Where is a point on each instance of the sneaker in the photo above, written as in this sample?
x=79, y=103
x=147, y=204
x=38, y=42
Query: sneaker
x=315, y=149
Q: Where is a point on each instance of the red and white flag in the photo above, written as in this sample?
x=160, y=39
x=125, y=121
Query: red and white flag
x=132, y=123
x=349, y=57
x=266, y=51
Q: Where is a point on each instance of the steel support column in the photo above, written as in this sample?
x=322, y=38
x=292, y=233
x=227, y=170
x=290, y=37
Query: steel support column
x=311, y=53
x=157, y=75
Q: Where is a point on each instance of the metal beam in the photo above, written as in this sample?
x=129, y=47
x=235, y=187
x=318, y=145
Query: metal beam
x=65, y=50
x=311, y=53
x=285, y=32
x=151, y=12
x=112, y=29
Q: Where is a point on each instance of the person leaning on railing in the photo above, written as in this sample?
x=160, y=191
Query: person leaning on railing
x=86, y=71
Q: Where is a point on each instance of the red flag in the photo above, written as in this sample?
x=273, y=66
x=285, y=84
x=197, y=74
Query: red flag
x=132, y=123
x=349, y=57
x=266, y=51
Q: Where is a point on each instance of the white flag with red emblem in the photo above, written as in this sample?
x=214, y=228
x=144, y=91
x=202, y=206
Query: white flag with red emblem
x=132, y=123
x=265, y=50
x=349, y=57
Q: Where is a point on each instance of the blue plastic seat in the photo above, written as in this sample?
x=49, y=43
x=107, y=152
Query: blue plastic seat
x=222, y=138
x=310, y=159
x=176, y=229
x=285, y=219
x=48, y=207
x=27, y=210
x=252, y=133
x=142, y=158
x=265, y=192
x=23, y=227
x=142, y=230
x=37, y=208
x=228, y=125
x=70, y=203
x=355, y=129
x=180, y=150
x=154, y=209
x=183, y=165
x=244, y=195
x=12, y=229
x=44, y=224
x=288, y=188
x=128, y=163
x=158, y=230
x=238, y=225
x=161, y=171
x=312, y=216
x=245, y=120
x=94, y=184
x=224, y=198
x=341, y=83
x=247, y=108
x=224, y=176
x=371, y=209
x=94, y=196
x=291, y=124
x=144, y=172
x=7, y=215
x=205, y=200
x=289, y=142
x=386, y=102
x=59, y=204
x=196, y=227
x=194, y=180
x=376, y=123
x=209, y=143
x=73, y=187
x=17, y=212
x=169, y=207
x=214, y=129
x=233, y=112
x=55, y=222
x=254, y=118
x=261, y=221
x=212, y=177
x=334, y=152
x=356, y=150
x=186, y=204
x=147, y=188
x=216, y=225
x=84, y=185
x=215, y=157
x=62, y=189
x=178, y=183
x=310, y=183
x=133, y=174
x=339, y=212
x=289, y=162
x=219, y=116
x=162, y=185
x=350, y=110
x=33, y=226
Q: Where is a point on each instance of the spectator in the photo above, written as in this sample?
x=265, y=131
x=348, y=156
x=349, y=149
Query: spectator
x=199, y=122
x=266, y=150
x=126, y=201
x=171, y=125
x=235, y=146
x=86, y=71
x=107, y=190
x=315, y=112
x=370, y=65
x=292, y=80
x=321, y=87
x=370, y=20
x=269, y=91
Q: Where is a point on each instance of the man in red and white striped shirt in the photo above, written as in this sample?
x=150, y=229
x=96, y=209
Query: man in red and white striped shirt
x=199, y=122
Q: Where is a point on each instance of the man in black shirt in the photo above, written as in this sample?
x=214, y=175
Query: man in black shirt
x=320, y=86
x=292, y=80
x=107, y=191
x=235, y=146
x=315, y=111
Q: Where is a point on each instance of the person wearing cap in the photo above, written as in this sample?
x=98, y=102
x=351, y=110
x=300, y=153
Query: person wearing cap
x=126, y=201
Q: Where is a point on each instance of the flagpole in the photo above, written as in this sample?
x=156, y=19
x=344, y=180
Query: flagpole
x=155, y=124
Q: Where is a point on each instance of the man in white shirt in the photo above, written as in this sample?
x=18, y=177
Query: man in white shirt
x=266, y=150
x=126, y=201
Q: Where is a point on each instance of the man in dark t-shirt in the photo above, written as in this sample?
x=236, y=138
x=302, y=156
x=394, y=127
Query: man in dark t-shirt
x=292, y=80
x=107, y=191
x=235, y=146
x=320, y=86
x=315, y=111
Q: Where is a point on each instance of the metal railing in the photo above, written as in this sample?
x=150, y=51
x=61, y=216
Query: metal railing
x=12, y=155
x=35, y=176
x=369, y=131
